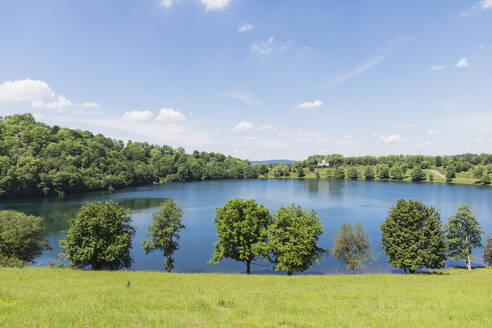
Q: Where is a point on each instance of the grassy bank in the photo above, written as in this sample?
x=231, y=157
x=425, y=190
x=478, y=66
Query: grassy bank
x=327, y=173
x=38, y=297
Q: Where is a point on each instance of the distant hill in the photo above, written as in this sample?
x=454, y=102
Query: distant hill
x=274, y=161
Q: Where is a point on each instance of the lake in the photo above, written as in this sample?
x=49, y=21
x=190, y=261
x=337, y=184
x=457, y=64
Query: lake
x=336, y=201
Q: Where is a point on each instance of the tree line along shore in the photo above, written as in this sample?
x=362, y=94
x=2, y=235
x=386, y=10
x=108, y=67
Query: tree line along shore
x=39, y=160
x=100, y=237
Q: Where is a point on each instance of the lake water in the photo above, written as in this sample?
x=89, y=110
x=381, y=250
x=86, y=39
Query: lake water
x=336, y=201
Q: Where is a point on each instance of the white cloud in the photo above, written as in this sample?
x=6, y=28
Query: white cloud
x=25, y=90
x=215, y=4
x=308, y=104
x=243, y=126
x=479, y=139
x=426, y=144
x=137, y=116
x=437, y=67
x=486, y=4
x=38, y=93
x=58, y=103
x=89, y=105
x=463, y=63
x=166, y=3
x=170, y=115
x=263, y=47
x=392, y=138
x=245, y=27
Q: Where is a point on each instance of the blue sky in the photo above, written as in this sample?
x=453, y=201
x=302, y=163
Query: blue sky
x=253, y=78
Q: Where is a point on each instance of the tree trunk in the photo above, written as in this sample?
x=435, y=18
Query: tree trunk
x=468, y=263
x=353, y=271
x=248, y=267
x=405, y=270
x=289, y=273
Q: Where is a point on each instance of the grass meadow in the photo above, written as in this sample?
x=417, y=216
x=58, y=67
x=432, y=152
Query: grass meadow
x=45, y=297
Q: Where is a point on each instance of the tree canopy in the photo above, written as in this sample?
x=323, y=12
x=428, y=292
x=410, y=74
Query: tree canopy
x=164, y=232
x=463, y=234
x=242, y=231
x=412, y=236
x=21, y=237
x=293, y=239
x=100, y=236
x=40, y=160
x=487, y=251
x=352, y=246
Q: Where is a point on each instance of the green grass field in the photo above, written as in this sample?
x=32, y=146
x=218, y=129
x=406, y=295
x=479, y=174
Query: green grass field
x=42, y=297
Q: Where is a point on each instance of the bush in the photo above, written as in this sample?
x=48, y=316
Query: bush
x=11, y=262
x=21, y=236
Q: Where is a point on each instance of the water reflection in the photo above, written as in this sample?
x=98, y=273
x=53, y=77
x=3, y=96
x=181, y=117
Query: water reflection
x=336, y=202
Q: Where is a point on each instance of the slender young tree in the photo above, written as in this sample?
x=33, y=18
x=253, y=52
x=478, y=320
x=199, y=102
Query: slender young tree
x=352, y=246
x=100, y=236
x=242, y=229
x=487, y=251
x=463, y=234
x=164, y=232
x=412, y=236
x=293, y=239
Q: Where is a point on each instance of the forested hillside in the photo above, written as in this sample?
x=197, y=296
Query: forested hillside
x=41, y=160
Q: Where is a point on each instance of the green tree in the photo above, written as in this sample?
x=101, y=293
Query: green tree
x=487, y=251
x=21, y=237
x=339, y=173
x=396, y=173
x=100, y=236
x=164, y=232
x=463, y=234
x=242, y=231
x=450, y=174
x=478, y=173
x=412, y=236
x=293, y=239
x=486, y=179
x=353, y=174
x=300, y=172
x=418, y=174
x=352, y=246
x=383, y=171
x=369, y=173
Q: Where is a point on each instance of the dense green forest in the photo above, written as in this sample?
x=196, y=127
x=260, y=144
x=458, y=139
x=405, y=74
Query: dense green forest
x=41, y=160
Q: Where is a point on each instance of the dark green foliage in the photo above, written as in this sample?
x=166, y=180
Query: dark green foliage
x=339, y=173
x=353, y=174
x=352, y=246
x=11, y=262
x=100, y=236
x=450, y=174
x=418, y=174
x=369, y=173
x=21, y=237
x=383, y=171
x=39, y=160
x=164, y=232
x=242, y=231
x=486, y=179
x=300, y=172
x=396, y=173
x=463, y=234
x=487, y=251
x=293, y=239
x=412, y=237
